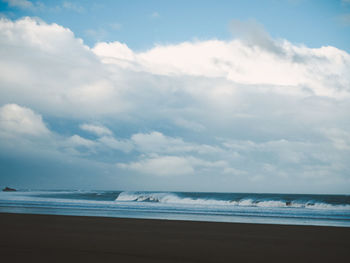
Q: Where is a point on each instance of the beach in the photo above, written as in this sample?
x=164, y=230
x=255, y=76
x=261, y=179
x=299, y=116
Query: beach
x=56, y=238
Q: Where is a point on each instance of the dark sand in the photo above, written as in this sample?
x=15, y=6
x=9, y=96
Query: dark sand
x=50, y=238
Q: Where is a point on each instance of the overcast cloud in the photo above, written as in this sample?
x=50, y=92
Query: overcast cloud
x=250, y=114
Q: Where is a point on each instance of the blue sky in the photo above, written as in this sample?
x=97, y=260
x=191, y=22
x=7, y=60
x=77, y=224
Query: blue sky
x=234, y=96
x=141, y=24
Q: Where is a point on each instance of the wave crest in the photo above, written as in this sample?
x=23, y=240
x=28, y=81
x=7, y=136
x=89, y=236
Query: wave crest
x=177, y=198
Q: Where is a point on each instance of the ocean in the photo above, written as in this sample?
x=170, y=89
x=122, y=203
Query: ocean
x=292, y=209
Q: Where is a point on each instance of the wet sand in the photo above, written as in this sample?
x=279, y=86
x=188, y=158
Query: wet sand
x=51, y=238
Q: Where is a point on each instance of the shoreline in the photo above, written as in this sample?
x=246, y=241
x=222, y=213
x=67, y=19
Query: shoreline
x=56, y=238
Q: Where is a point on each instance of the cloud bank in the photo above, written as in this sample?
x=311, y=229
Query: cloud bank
x=250, y=114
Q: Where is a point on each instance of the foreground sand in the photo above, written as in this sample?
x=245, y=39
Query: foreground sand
x=50, y=238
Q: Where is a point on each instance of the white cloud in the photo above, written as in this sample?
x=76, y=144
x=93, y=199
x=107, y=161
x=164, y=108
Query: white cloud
x=170, y=165
x=76, y=146
x=254, y=34
x=77, y=140
x=263, y=61
x=73, y=6
x=114, y=52
x=191, y=125
x=281, y=151
x=69, y=77
x=156, y=142
x=103, y=143
x=339, y=137
x=122, y=145
x=25, y=4
x=143, y=143
x=280, y=110
x=161, y=166
x=96, y=129
x=189, y=80
x=17, y=120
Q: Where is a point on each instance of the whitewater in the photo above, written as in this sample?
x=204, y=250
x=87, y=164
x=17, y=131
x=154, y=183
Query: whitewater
x=295, y=209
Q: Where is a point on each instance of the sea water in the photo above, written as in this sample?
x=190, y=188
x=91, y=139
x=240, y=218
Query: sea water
x=297, y=209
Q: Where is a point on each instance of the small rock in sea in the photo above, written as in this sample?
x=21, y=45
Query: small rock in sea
x=8, y=189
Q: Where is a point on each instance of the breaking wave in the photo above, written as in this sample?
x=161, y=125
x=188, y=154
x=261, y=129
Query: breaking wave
x=231, y=200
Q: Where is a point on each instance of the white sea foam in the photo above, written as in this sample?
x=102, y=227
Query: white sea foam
x=174, y=198
x=271, y=203
x=41, y=196
x=168, y=198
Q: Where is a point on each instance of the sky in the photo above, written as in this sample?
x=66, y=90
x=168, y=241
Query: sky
x=223, y=96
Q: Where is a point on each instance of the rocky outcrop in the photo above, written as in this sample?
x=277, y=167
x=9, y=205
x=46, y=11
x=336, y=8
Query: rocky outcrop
x=8, y=189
